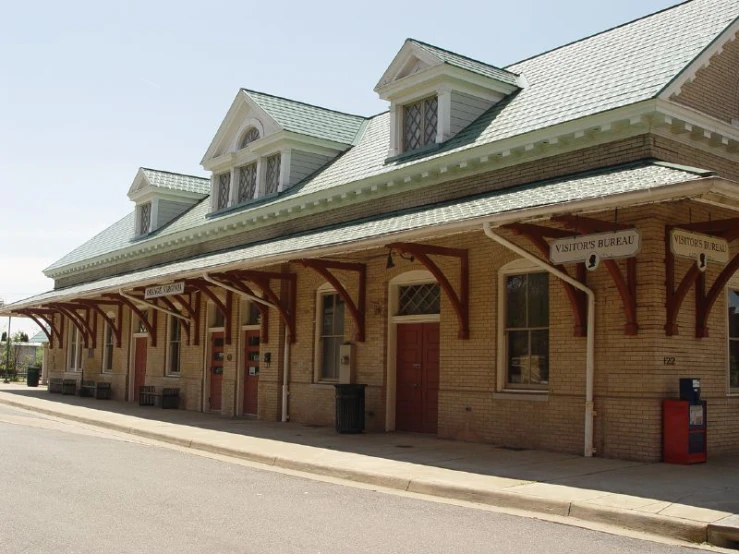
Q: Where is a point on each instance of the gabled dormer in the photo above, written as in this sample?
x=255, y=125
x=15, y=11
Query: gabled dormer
x=161, y=196
x=434, y=94
x=267, y=144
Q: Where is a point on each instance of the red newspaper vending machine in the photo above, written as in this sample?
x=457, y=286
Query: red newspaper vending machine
x=684, y=431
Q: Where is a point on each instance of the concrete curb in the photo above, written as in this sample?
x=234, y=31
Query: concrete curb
x=665, y=526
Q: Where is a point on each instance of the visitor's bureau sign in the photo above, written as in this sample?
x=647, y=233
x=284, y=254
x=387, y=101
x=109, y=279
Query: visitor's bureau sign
x=687, y=244
x=592, y=248
x=165, y=290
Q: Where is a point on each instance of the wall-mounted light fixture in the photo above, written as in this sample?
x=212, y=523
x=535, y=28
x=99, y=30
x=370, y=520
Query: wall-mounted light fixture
x=390, y=264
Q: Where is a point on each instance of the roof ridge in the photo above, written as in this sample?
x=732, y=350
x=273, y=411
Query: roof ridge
x=302, y=103
x=462, y=56
x=175, y=173
x=604, y=31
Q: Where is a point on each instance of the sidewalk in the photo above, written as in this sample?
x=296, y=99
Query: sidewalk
x=696, y=503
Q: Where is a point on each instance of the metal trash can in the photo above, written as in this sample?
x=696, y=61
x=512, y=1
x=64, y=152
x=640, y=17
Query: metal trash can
x=33, y=372
x=350, y=408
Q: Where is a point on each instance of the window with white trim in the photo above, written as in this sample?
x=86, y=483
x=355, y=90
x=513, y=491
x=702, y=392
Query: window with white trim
x=75, y=349
x=174, y=346
x=108, y=348
x=224, y=190
x=272, y=175
x=247, y=182
x=144, y=218
x=420, y=123
x=330, y=335
x=526, y=330
x=251, y=135
x=733, y=303
x=141, y=322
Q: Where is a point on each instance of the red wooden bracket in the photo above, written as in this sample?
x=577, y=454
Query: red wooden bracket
x=727, y=229
x=535, y=234
x=83, y=324
x=151, y=326
x=356, y=309
x=236, y=283
x=117, y=329
x=705, y=302
x=172, y=308
x=47, y=316
x=460, y=302
x=224, y=307
x=193, y=312
x=36, y=319
x=262, y=280
x=626, y=286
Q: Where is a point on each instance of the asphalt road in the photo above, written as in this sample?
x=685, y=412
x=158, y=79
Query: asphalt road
x=67, y=487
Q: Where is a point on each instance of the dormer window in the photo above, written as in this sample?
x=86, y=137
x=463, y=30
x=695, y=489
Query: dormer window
x=247, y=182
x=272, y=175
x=420, y=121
x=224, y=190
x=251, y=135
x=144, y=218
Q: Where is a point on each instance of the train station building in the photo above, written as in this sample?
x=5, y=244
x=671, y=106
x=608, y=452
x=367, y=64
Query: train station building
x=530, y=256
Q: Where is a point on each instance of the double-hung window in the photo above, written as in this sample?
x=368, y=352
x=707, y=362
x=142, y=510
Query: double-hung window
x=247, y=182
x=224, y=190
x=108, y=348
x=733, y=304
x=75, y=349
x=175, y=342
x=420, y=122
x=527, y=331
x=331, y=335
x=272, y=175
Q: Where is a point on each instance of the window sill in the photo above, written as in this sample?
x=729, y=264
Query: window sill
x=527, y=395
x=173, y=376
x=323, y=386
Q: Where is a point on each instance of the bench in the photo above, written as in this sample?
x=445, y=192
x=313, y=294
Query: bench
x=55, y=385
x=169, y=398
x=69, y=386
x=99, y=390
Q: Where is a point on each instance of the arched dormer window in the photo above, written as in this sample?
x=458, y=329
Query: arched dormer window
x=251, y=135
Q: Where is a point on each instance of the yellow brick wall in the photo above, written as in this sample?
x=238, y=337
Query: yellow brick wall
x=715, y=88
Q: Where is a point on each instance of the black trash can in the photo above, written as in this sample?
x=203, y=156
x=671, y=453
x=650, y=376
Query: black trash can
x=350, y=408
x=33, y=372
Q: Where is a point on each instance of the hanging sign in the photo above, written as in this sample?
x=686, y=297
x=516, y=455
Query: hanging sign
x=590, y=249
x=165, y=290
x=699, y=247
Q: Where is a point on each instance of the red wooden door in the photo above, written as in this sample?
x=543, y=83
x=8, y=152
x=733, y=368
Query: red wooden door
x=251, y=372
x=216, y=371
x=417, y=388
x=139, y=366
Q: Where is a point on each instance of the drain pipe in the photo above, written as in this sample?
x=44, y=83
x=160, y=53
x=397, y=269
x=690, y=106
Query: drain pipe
x=286, y=357
x=590, y=344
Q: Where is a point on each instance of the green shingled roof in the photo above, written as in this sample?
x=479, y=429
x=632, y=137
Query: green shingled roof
x=177, y=181
x=615, y=68
x=583, y=187
x=457, y=60
x=309, y=120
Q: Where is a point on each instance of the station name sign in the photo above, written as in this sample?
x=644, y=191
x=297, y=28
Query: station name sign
x=590, y=249
x=165, y=290
x=687, y=244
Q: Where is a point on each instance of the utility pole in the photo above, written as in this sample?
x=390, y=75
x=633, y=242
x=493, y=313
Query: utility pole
x=7, y=353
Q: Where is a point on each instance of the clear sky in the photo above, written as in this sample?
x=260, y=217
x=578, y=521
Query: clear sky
x=91, y=91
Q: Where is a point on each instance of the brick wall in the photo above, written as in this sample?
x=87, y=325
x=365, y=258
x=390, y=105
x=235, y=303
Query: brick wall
x=715, y=88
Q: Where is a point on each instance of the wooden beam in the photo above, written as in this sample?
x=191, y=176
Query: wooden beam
x=236, y=283
x=356, y=309
x=117, y=329
x=150, y=325
x=460, y=302
x=224, y=307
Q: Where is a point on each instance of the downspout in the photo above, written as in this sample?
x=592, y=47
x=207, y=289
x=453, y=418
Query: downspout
x=286, y=357
x=590, y=344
